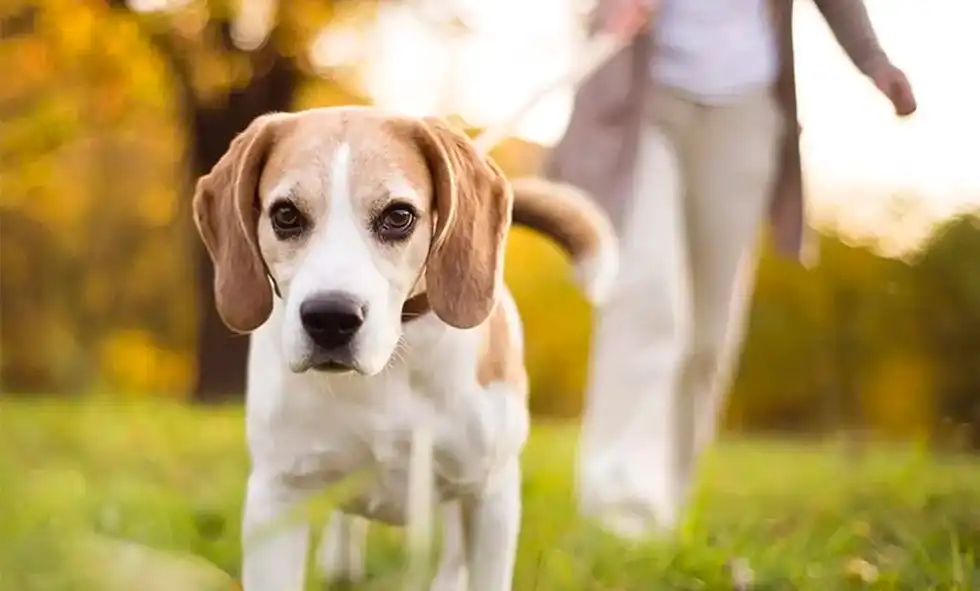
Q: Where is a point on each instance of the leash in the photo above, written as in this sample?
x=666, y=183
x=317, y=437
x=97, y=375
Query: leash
x=599, y=50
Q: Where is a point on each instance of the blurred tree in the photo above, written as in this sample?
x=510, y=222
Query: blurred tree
x=821, y=340
x=82, y=259
x=18, y=20
x=97, y=290
x=949, y=289
x=230, y=62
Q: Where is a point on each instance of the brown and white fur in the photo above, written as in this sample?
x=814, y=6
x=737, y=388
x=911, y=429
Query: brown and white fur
x=363, y=251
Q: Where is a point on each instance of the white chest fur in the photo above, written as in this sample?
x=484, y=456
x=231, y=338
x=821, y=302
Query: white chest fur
x=310, y=430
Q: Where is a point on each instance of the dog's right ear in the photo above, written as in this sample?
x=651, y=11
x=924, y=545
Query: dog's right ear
x=226, y=211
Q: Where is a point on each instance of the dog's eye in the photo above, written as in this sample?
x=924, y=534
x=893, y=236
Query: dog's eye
x=396, y=222
x=287, y=220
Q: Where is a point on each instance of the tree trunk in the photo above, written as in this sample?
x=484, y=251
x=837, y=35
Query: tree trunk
x=221, y=354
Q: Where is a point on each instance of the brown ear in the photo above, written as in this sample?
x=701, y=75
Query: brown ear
x=473, y=207
x=226, y=214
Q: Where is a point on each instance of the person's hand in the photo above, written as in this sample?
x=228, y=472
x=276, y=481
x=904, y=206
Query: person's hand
x=893, y=84
x=626, y=18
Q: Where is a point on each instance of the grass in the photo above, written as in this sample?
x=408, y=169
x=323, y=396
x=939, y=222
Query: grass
x=170, y=478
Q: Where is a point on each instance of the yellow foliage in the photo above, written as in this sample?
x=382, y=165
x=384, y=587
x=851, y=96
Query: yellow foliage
x=99, y=252
x=75, y=36
x=158, y=207
x=899, y=397
x=132, y=362
x=556, y=322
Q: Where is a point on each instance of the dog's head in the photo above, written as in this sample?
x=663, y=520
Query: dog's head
x=346, y=213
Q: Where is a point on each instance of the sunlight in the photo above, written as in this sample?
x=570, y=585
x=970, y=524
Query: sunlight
x=483, y=77
x=851, y=138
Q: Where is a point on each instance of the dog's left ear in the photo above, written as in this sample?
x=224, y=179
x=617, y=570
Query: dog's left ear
x=226, y=215
x=473, y=202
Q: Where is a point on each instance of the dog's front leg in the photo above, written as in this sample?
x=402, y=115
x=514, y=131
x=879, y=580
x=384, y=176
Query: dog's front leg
x=274, y=543
x=451, y=573
x=491, y=526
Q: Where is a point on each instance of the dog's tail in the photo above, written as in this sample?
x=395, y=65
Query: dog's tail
x=569, y=216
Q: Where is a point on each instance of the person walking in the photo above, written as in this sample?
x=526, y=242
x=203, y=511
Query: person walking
x=689, y=138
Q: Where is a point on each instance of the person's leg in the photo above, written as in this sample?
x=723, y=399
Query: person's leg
x=729, y=171
x=638, y=343
x=711, y=406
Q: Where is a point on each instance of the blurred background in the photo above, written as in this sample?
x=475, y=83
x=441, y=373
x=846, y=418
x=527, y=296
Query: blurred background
x=109, y=110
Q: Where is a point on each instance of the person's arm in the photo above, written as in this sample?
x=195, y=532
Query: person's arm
x=851, y=25
x=849, y=22
x=625, y=18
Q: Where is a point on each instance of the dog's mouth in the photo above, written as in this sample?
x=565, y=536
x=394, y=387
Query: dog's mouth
x=334, y=361
x=333, y=366
x=348, y=360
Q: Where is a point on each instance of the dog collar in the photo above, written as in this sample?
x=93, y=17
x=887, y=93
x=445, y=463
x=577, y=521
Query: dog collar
x=415, y=307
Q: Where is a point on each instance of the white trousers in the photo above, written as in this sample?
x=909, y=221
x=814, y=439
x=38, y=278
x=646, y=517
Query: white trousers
x=665, y=346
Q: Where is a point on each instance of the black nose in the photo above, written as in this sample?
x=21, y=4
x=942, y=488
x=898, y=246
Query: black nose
x=332, y=319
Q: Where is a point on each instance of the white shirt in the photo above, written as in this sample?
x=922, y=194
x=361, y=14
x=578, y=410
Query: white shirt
x=716, y=50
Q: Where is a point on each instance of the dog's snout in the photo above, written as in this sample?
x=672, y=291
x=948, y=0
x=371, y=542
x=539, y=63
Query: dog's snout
x=332, y=319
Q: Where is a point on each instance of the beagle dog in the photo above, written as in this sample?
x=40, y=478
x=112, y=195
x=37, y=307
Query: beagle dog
x=363, y=251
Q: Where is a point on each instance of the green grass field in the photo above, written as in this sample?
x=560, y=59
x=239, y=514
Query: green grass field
x=171, y=479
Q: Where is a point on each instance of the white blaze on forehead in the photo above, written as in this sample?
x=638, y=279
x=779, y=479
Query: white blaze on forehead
x=341, y=190
x=342, y=229
x=340, y=176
